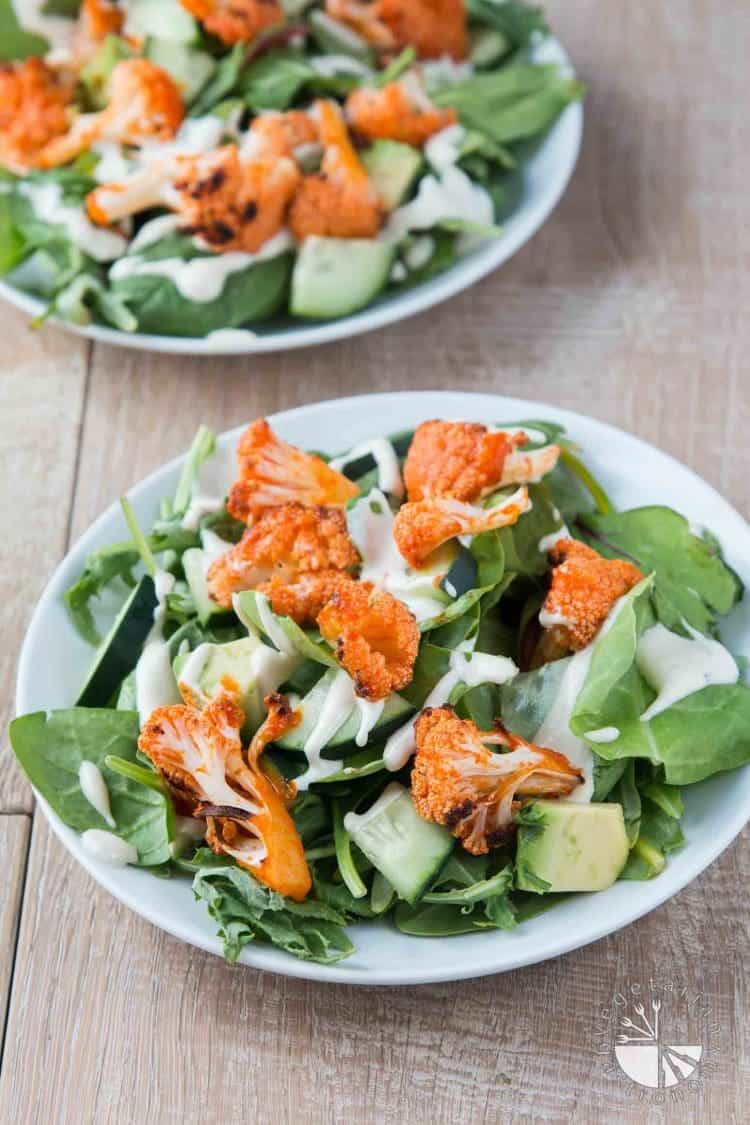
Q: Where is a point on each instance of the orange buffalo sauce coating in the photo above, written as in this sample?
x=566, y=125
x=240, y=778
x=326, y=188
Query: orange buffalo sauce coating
x=236, y=21
x=393, y=113
x=421, y=526
x=35, y=102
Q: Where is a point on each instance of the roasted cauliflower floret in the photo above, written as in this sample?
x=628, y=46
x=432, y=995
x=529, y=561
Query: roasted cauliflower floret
x=286, y=542
x=236, y=21
x=144, y=104
x=583, y=589
x=96, y=20
x=279, y=134
x=400, y=111
x=305, y=597
x=34, y=110
x=339, y=201
x=363, y=16
x=271, y=472
x=465, y=460
x=433, y=27
x=375, y=636
x=199, y=753
x=421, y=526
x=459, y=782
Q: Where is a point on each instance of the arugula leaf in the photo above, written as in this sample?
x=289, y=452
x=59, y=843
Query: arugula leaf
x=50, y=747
x=692, y=580
x=15, y=43
x=203, y=447
x=246, y=911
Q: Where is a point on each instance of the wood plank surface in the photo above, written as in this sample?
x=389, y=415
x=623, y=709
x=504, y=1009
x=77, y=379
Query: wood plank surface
x=629, y=305
x=14, y=841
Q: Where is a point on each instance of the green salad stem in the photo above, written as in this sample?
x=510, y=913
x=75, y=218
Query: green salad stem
x=603, y=503
x=139, y=539
x=343, y=849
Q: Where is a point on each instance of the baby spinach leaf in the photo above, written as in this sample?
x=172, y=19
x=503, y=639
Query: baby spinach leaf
x=516, y=20
x=222, y=82
x=245, y=911
x=102, y=567
x=50, y=747
x=692, y=581
x=15, y=43
x=659, y=834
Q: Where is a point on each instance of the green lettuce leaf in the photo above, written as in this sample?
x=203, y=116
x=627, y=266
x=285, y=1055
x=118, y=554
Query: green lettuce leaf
x=15, y=43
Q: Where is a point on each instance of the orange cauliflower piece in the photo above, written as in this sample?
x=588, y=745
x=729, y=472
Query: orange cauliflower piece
x=421, y=526
x=286, y=542
x=339, y=201
x=236, y=21
x=34, y=110
x=200, y=753
x=279, y=134
x=273, y=472
x=144, y=104
x=459, y=782
x=375, y=636
x=363, y=17
x=583, y=589
x=433, y=27
x=395, y=112
x=304, y=598
x=96, y=20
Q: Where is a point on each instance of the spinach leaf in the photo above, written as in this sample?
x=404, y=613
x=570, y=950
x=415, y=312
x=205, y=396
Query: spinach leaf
x=659, y=834
x=626, y=793
x=520, y=543
x=102, y=567
x=692, y=581
x=50, y=747
x=15, y=43
x=66, y=8
x=517, y=21
x=222, y=82
x=245, y=911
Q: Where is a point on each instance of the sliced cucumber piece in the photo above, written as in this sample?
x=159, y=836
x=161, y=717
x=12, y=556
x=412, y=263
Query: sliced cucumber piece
x=161, y=19
x=190, y=68
x=119, y=651
x=392, y=168
x=195, y=564
x=407, y=850
x=336, y=276
x=337, y=38
x=395, y=712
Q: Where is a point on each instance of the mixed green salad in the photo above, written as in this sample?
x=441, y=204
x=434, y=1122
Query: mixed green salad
x=191, y=167
x=439, y=679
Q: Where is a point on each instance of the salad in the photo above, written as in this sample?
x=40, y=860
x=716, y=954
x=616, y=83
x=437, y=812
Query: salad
x=189, y=167
x=437, y=679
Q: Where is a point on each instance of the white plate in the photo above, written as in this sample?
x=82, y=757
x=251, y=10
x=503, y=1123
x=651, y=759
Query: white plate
x=545, y=177
x=54, y=660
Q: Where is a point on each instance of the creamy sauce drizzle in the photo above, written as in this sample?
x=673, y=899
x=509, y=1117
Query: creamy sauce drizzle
x=155, y=685
x=272, y=627
x=336, y=709
x=453, y=196
x=200, y=279
x=386, y=461
x=547, y=542
x=677, y=667
x=154, y=231
x=47, y=203
x=603, y=735
x=108, y=848
x=94, y=788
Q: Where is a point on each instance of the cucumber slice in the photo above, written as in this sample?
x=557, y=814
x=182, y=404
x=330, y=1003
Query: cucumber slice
x=396, y=711
x=191, y=69
x=392, y=168
x=194, y=563
x=336, y=276
x=407, y=850
x=161, y=19
x=119, y=651
x=337, y=38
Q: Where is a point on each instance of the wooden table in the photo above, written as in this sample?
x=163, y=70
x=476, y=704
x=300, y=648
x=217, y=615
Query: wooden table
x=631, y=305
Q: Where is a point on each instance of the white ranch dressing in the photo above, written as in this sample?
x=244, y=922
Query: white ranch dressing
x=192, y=670
x=336, y=709
x=46, y=200
x=419, y=252
x=369, y=714
x=370, y=525
x=445, y=71
x=677, y=667
x=230, y=338
x=442, y=149
x=112, y=163
x=153, y=231
x=155, y=685
x=200, y=279
x=213, y=545
x=386, y=461
x=108, y=848
x=547, y=542
x=331, y=65
x=453, y=196
x=603, y=735
x=547, y=619
x=94, y=788
x=472, y=669
x=555, y=732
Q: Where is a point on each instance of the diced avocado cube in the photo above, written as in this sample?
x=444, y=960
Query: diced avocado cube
x=567, y=846
x=392, y=168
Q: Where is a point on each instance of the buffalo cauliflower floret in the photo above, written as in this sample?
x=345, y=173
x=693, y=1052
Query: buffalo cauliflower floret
x=459, y=782
x=236, y=21
x=273, y=472
x=199, y=753
x=583, y=589
x=375, y=636
x=400, y=111
x=144, y=104
x=363, y=16
x=286, y=542
x=339, y=201
x=34, y=110
x=420, y=527
x=433, y=27
x=304, y=598
x=96, y=20
x=279, y=134
x=465, y=460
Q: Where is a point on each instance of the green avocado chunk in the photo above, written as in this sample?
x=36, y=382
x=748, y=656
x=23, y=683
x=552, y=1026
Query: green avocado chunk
x=567, y=846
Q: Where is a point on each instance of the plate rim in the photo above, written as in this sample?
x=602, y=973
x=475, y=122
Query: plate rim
x=460, y=276
x=653, y=893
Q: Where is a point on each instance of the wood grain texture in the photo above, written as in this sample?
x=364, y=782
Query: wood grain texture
x=629, y=305
x=14, y=840
x=42, y=378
